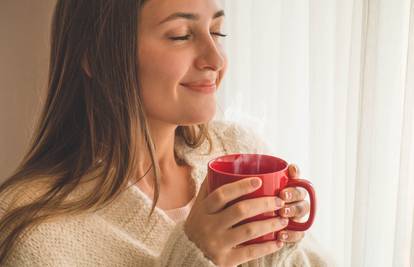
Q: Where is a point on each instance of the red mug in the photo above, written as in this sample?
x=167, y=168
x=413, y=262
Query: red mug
x=272, y=171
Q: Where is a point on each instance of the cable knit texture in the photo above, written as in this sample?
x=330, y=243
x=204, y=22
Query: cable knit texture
x=120, y=234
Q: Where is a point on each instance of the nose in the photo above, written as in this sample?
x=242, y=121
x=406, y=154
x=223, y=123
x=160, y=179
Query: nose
x=211, y=55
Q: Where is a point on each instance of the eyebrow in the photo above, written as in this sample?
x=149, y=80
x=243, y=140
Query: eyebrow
x=190, y=16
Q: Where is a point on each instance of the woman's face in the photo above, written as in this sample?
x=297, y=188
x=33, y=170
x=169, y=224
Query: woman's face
x=166, y=64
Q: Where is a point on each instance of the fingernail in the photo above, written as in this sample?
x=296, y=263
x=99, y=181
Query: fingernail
x=279, y=202
x=284, y=221
x=288, y=195
x=256, y=182
x=284, y=236
x=287, y=211
x=279, y=244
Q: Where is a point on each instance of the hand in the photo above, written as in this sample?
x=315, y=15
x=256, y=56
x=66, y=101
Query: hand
x=209, y=224
x=296, y=207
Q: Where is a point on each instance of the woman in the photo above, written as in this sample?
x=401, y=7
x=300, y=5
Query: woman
x=114, y=173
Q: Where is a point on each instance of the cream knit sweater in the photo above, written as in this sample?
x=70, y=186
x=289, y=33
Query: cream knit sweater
x=120, y=235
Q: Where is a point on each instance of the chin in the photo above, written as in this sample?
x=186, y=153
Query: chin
x=198, y=118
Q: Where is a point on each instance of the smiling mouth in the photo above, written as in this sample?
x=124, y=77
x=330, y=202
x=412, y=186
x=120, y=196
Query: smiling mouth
x=205, y=88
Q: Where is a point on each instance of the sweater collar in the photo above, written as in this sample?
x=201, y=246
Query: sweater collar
x=132, y=207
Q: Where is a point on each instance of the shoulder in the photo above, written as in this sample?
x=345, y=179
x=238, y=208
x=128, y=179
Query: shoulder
x=21, y=195
x=237, y=138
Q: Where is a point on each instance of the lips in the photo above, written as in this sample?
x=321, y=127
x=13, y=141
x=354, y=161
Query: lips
x=201, y=83
x=204, y=86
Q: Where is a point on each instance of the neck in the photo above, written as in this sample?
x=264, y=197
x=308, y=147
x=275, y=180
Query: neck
x=163, y=136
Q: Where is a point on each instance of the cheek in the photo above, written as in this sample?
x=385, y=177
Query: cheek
x=222, y=72
x=160, y=73
x=160, y=69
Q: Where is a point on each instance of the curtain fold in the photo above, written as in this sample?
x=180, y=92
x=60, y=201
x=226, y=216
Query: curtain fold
x=404, y=222
x=328, y=84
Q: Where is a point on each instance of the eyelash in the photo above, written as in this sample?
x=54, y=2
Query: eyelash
x=185, y=37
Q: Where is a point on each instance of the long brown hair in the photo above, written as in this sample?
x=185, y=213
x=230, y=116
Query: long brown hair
x=91, y=122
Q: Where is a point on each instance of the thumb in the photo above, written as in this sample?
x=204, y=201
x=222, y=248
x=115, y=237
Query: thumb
x=294, y=171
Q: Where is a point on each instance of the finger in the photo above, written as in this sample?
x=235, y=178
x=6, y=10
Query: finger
x=248, y=208
x=295, y=210
x=290, y=236
x=252, y=230
x=244, y=254
x=293, y=194
x=231, y=191
x=294, y=171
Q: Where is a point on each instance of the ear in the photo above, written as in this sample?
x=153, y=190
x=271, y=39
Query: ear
x=85, y=66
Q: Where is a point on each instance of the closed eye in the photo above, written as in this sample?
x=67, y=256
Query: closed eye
x=187, y=37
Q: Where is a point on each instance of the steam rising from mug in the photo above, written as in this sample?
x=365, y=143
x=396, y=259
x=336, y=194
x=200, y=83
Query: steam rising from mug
x=245, y=164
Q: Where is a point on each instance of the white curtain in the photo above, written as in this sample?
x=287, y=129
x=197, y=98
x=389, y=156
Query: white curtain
x=329, y=85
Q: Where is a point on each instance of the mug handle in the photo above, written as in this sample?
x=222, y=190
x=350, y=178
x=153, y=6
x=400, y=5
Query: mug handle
x=297, y=226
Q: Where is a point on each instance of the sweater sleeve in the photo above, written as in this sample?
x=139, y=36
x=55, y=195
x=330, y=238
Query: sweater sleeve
x=306, y=253
x=180, y=251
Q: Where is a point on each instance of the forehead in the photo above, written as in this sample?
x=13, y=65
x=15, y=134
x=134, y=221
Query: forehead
x=154, y=11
